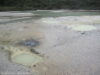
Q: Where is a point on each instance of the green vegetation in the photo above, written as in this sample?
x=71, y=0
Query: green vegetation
x=48, y=4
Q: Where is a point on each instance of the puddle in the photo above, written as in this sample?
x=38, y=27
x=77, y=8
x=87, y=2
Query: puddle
x=82, y=27
x=50, y=21
x=25, y=58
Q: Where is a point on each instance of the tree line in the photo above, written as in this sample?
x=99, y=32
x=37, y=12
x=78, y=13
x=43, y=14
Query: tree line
x=49, y=4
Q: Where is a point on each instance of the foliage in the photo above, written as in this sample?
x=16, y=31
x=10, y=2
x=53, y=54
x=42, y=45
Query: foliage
x=49, y=4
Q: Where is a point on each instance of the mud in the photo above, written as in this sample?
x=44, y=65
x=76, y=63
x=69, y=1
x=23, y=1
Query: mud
x=65, y=51
x=29, y=42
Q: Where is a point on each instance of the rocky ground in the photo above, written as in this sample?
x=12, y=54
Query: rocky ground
x=65, y=50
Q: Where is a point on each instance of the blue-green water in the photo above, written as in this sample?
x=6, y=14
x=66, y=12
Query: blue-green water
x=65, y=13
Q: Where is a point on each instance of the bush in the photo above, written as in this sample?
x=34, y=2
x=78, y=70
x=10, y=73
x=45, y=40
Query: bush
x=48, y=4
